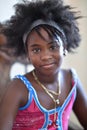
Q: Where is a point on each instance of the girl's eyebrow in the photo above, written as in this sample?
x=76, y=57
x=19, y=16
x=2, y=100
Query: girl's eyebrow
x=34, y=45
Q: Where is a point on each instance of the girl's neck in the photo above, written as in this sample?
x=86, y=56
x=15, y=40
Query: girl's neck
x=47, y=79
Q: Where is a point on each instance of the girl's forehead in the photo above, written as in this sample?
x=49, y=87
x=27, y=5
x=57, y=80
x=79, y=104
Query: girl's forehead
x=43, y=33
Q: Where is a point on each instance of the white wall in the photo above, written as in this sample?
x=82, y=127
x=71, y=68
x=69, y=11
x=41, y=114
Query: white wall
x=79, y=60
x=6, y=9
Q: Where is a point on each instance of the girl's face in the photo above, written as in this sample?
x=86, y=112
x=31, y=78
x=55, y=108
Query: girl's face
x=44, y=55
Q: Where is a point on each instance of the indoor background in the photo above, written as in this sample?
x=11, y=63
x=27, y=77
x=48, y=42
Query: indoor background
x=77, y=60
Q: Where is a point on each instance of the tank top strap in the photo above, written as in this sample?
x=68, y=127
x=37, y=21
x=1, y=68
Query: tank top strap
x=72, y=95
x=28, y=86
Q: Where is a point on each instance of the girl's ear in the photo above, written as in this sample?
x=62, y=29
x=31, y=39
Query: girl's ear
x=65, y=52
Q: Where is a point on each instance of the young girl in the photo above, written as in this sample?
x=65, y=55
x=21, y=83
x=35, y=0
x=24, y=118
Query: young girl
x=43, y=99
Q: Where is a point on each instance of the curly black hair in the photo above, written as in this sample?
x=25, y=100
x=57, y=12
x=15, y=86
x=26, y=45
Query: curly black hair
x=27, y=12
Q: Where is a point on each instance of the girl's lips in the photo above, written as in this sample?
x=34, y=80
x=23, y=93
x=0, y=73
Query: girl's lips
x=47, y=66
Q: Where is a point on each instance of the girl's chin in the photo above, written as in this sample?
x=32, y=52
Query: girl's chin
x=49, y=72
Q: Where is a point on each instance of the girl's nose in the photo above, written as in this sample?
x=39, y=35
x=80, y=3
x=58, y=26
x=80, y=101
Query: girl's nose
x=46, y=55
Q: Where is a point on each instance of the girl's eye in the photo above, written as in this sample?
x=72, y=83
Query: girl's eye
x=54, y=47
x=36, y=50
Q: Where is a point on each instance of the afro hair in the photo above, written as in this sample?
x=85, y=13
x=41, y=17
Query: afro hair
x=27, y=12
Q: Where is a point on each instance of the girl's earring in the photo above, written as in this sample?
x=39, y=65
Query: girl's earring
x=65, y=52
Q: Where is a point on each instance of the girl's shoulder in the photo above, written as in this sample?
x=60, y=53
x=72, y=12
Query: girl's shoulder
x=17, y=90
x=69, y=73
x=69, y=77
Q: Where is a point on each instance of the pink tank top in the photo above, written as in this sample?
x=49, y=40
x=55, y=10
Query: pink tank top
x=34, y=117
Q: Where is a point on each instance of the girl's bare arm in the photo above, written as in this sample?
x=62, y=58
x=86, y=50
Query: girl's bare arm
x=80, y=107
x=12, y=100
